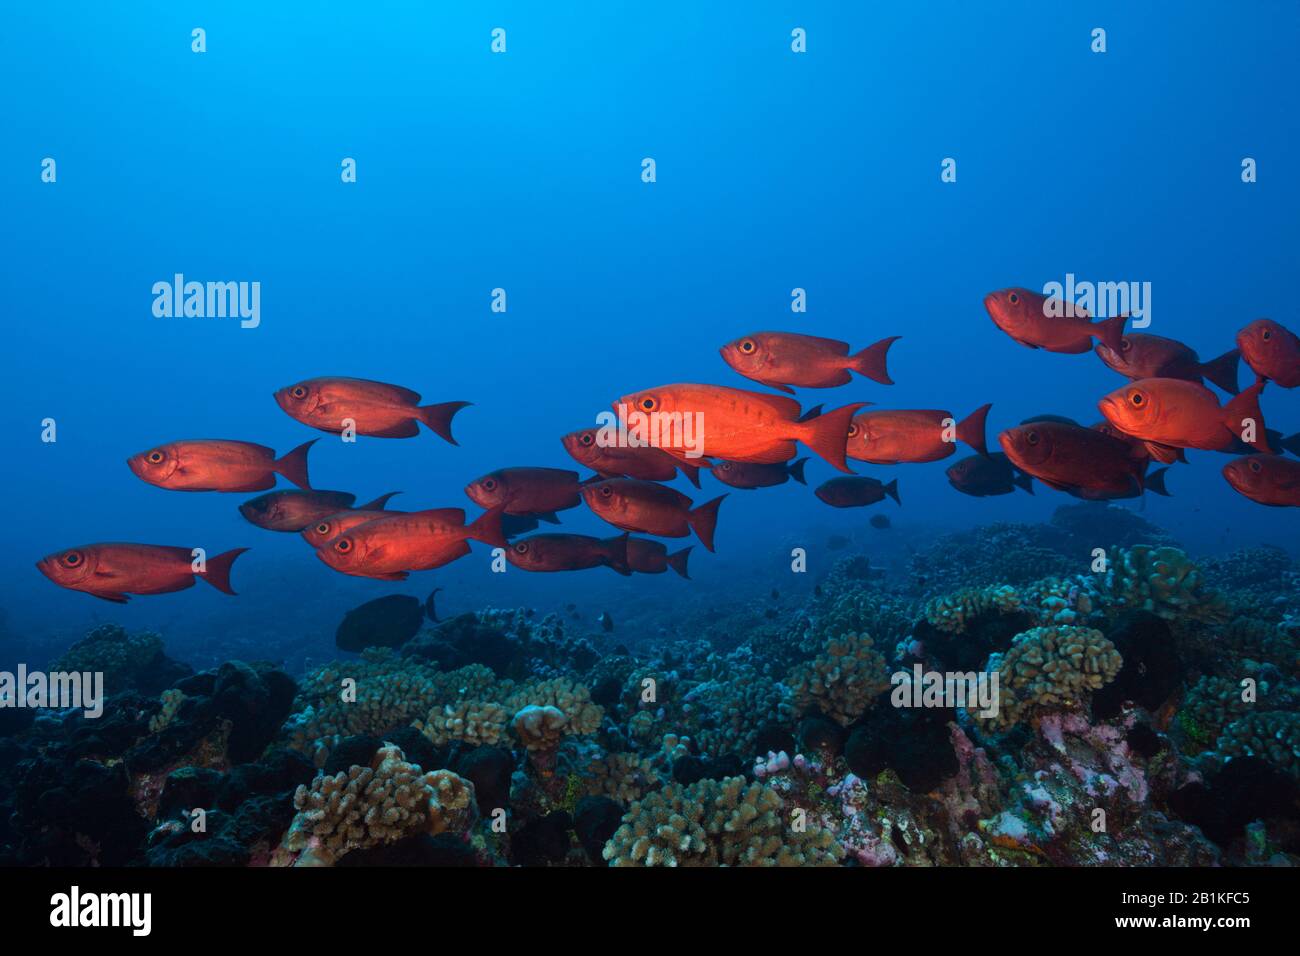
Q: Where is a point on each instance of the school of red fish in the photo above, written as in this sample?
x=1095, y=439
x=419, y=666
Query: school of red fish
x=746, y=439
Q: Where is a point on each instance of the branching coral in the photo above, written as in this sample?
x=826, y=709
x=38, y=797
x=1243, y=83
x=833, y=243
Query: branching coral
x=1050, y=667
x=842, y=681
x=726, y=822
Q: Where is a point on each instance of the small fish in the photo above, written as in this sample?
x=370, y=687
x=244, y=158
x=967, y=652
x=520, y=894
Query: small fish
x=980, y=476
x=539, y=492
x=747, y=474
x=888, y=437
x=112, y=571
x=1152, y=356
x=782, y=359
x=606, y=622
x=212, y=464
x=856, y=492
x=1272, y=351
x=297, y=510
x=1266, y=479
x=373, y=408
x=331, y=526
x=881, y=522
x=1180, y=414
x=569, y=552
x=610, y=461
x=650, y=508
x=776, y=595
x=384, y=622
x=740, y=425
x=1023, y=315
x=389, y=548
x=651, y=557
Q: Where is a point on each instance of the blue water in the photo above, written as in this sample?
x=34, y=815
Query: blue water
x=522, y=171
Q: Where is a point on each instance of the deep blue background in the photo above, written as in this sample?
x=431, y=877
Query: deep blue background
x=522, y=170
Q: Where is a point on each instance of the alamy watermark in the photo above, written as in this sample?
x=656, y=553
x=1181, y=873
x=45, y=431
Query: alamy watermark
x=637, y=429
x=57, y=690
x=208, y=300
x=1099, y=299
x=976, y=691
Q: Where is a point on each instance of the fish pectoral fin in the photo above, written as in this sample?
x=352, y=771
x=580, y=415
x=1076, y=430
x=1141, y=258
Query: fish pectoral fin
x=390, y=576
x=117, y=597
x=1058, y=485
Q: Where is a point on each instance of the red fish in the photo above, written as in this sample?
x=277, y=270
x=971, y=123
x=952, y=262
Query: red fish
x=888, y=437
x=1271, y=350
x=331, y=526
x=651, y=557
x=856, y=492
x=112, y=571
x=374, y=408
x=1180, y=414
x=645, y=462
x=527, y=491
x=635, y=505
x=980, y=476
x=746, y=474
x=296, y=510
x=212, y=464
x=389, y=548
x=737, y=425
x=1152, y=356
x=782, y=359
x=1027, y=317
x=569, y=552
x=1078, y=460
x=1266, y=479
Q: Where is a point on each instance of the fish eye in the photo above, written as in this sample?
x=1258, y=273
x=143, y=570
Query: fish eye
x=648, y=404
x=299, y=391
x=521, y=547
x=1255, y=466
x=323, y=528
x=72, y=559
x=489, y=484
x=1014, y=298
x=343, y=545
x=586, y=439
x=747, y=346
x=1137, y=398
x=1266, y=335
x=606, y=491
x=726, y=466
x=156, y=457
x=1031, y=437
x=1125, y=345
x=853, y=430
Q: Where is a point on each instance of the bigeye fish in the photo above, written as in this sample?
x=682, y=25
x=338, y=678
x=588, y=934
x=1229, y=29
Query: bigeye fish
x=651, y=508
x=1179, y=414
x=1272, y=351
x=856, y=492
x=114, y=570
x=645, y=461
x=747, y=474
x=1266, y=479
x=1023, y=315
x=298, y=510
x=892, y=436
x=1152, y=356
x=537, y=492
x=389, y=548
x=216, y=464
x=782, y=359
x=569, y=552
x=331, y=526
x=1079, y=460
x=374, y=408
x=651, y=557
x=740, y=425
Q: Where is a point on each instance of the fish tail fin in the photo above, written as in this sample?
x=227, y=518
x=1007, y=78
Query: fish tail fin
x=487, y=528
x=811, y=413
x=1111, y=332
x=616, y=553
x=891, y=489
x=550, y=517
x=1024, y=481
x=677, y=561
x=828, y=434
x=704, y=520
x=1155, y=482
x=378, y=503
x=294, y=464
x=1291, y=443
x=438, y=418
x=692, y=472
x=871, y=361
x=796, y=470
x=429, y=607
x=1244, y=412
x=971, y=429
x=217, y=572
x=1222, y=371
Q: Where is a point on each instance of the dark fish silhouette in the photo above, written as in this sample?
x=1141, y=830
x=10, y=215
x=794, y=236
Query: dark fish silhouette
x=384, y=622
